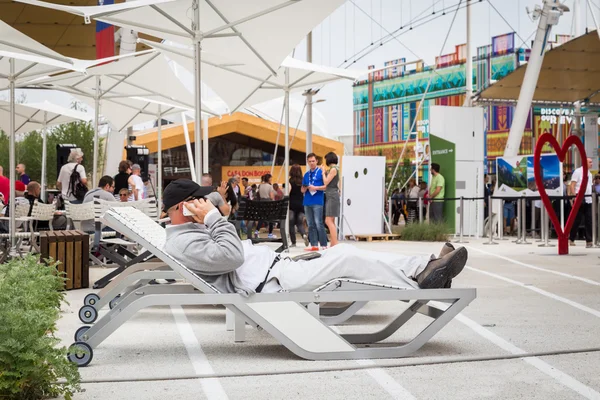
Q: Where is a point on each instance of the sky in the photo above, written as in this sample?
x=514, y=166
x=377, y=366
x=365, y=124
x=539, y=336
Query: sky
x=331, y=48
x=358, y=23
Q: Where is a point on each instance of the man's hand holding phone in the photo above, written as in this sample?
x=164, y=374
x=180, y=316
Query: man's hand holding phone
x=197, y=209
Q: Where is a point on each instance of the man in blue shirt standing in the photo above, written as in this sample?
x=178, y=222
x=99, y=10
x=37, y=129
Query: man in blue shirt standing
x=313, y=204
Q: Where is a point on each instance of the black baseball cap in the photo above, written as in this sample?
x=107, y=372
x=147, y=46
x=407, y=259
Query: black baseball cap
x=183, y=189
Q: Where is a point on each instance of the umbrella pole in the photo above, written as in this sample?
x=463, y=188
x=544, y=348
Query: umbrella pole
x=44, y=154
x=277, y=140
x=198, y=91
x=188, y=147
x=96, y=118
x=204, y=139
x=286, y=162
x=12, y=162
x=159, y=174
x=205, y=143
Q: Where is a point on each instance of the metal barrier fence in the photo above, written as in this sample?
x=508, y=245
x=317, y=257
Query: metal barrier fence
x=494, y=224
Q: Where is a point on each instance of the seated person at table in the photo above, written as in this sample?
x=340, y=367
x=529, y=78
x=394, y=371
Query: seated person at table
x=34, y=190
x=104, y=191
x=209, y=246
x=124, y=195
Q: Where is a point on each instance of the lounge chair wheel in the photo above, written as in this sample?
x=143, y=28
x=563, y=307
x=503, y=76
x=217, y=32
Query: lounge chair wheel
x=113, y=303
x=79, y=334
x=91, y=299
x=80, y=353
x=88, y=314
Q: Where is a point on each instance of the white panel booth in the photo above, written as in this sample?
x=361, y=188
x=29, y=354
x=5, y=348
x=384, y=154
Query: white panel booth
x=363, y=188
x=465, y=127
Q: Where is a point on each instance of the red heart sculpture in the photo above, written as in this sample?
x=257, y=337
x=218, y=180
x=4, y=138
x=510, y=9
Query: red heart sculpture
x=561, y=152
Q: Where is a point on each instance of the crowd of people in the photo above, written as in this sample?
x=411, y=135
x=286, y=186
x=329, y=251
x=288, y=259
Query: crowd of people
x=314, y=197
x=314, y=202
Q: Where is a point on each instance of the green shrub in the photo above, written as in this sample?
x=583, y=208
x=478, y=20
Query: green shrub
x=433, y=232
x=30, y=360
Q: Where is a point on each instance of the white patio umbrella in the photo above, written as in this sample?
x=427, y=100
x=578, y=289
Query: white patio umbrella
x=39, y=116
x=131, y=91
x=23, y=59
x=245, y=85
x=260, y=33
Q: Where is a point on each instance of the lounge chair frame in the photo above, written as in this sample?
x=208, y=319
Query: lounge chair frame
x=292, y=318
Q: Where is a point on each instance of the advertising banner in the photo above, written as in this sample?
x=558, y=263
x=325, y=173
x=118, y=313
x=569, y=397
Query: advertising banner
x=395, y=125
x=443, y=152
x=255, y=173
x=516, y=177
x=405, y=120
x=363, y=127
x=378, y=125
x=503, y=44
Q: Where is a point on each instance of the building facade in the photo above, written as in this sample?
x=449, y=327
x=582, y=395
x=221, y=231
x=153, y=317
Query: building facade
x=387, y=111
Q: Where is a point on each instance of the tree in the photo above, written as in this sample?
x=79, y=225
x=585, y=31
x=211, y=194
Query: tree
x=80, y=134
x=29, y=152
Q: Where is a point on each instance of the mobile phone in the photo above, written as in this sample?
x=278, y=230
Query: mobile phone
x=187, y=212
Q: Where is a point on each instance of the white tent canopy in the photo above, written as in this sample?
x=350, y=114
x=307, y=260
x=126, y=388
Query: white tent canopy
x=33, y=59
x=259, y=32
x=22, y=59
x=130, y=90
x=39, y=116
x=122, y=113
x=240, y=85
x=30, y=117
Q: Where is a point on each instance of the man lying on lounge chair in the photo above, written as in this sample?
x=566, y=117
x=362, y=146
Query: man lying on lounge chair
x=207, y=244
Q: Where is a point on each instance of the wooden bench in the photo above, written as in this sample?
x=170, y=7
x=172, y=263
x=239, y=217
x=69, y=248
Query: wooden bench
x=268, y=211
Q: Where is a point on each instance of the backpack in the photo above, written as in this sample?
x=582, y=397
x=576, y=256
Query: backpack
x=257, y=193
x=76, y=187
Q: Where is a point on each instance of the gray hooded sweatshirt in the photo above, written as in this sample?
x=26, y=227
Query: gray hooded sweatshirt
x=213, y=251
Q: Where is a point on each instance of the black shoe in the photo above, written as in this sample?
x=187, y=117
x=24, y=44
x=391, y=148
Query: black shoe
x=439, y=272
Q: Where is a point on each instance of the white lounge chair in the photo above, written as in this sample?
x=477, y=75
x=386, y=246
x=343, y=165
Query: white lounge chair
x=292, y=318
x=115, y=249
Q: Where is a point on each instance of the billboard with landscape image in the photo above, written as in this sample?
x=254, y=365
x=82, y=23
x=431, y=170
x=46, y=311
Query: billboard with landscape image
x=516, y=176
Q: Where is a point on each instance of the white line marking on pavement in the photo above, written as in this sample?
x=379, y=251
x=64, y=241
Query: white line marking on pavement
x=565, y=275
x=212, y=387
x=541, y=365
x=572, y=303
x=385, y=380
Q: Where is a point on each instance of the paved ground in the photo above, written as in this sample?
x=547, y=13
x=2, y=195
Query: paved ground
x=529, y=301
